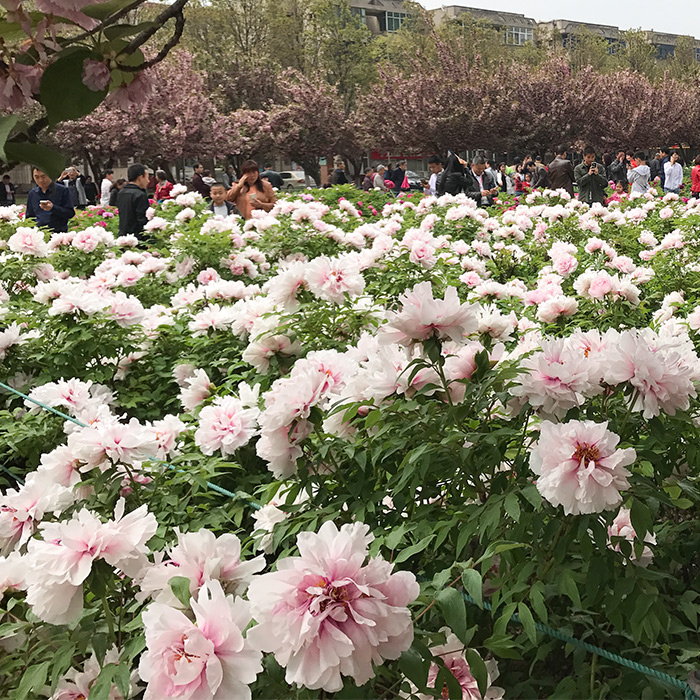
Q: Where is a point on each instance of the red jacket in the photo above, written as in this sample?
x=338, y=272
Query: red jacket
x=163, y=191
x=695, y=179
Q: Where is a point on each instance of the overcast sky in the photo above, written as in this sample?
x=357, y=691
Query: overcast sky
x=673, y=16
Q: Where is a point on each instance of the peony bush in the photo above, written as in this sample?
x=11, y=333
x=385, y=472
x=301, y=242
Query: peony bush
x=296, y=456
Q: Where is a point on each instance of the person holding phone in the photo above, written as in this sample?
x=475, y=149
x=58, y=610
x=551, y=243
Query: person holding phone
x=251, y=191
x=49, y=203
x=590, y=178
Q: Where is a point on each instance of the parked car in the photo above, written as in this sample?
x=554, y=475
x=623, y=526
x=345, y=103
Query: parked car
x=296, y=180
x=413, y=180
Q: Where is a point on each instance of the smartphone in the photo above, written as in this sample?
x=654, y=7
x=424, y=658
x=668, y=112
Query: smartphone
x=44, y=201
x=253, y=195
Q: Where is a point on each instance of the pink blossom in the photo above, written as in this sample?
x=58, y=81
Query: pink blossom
x=201, y=557
x=662, y=373
x=666, y=213
x=208, y=659
x=423, y=316
x=326, y=614
x=554, y=307
x=18, y=85
x=96, y=75
x=622, y=527
x=452, y=654
x=28, y=241
x=196, y=388
x=226, y=425
x=334, y=278
x=580, y=467
x=59, y=563
x=126, y=96
x=557, y=378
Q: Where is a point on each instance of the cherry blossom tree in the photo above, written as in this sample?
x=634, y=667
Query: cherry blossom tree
x=68, y=57
x=168, y=124
x=310, y=123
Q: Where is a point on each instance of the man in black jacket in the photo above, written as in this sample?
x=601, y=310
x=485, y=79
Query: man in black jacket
x=132, y=201
x=198, y=184
x=480, y=185
x=617, y=170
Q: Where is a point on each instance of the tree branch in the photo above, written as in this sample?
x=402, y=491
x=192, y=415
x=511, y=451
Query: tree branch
x=170, y=44
x=109, y=21
x=174, y=10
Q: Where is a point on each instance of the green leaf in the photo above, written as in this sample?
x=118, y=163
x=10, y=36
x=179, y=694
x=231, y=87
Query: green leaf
x=512, y=506
x=454, y=611
x=471, y=579
x=7, y=123
x=478, y=670
x=391, y=541
x=11, y=32
x=62, y=91
x=446, y=678
x=568, y=586
x=528, y=622
x=414, y=667
x=414, y=549
x=105, y=9
x=642, y=522
x=122, y=678
x=33, y=679
x=103, y=684
x=50, y=161
x=117, y=31
x=180, y=586
x=537, y=600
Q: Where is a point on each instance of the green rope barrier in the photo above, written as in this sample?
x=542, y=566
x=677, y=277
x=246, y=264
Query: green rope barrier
x=549, y=631
x=65, y=416
x=610, y=656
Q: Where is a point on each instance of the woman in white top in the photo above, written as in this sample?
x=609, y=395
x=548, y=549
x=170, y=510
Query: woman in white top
x=673, y=171
x=106, y=188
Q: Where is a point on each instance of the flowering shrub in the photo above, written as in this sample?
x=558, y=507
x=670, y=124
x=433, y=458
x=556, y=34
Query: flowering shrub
x=288, y=444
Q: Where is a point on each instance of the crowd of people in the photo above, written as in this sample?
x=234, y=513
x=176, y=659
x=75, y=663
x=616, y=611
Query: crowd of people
x=482, y=179
x=53, y=203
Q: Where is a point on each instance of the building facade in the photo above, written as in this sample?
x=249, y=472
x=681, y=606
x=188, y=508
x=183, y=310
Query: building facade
x=380, y=16
x=517, y=29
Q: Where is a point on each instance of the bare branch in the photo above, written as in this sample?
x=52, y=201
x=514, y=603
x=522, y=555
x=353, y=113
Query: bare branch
x=174, y=10
x=109, y=21
x=170, y=44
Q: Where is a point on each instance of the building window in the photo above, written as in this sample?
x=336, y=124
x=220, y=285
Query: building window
x=517, y=36
x=697, y=54
x=392, y=21
x=664, y=51
x=360, y=13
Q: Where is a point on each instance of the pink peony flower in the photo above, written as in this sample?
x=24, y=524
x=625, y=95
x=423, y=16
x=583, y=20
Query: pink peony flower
x=225, y=426
x=557, y=378
x=208, y=659
x=452, y=655
x=96, y=75
x=663, y=373
x=579, y=466
x=201, y=557
x=326, y=614
x=423, y=316
x=333, y=278
x=28, y=241
x=622, y=527
x=196, y=388
x=58, y=564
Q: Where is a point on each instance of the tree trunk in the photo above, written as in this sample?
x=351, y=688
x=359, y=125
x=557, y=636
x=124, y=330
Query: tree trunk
x=311, y=168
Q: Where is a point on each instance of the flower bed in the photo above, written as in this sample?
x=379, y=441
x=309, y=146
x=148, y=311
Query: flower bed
x=288, y=444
